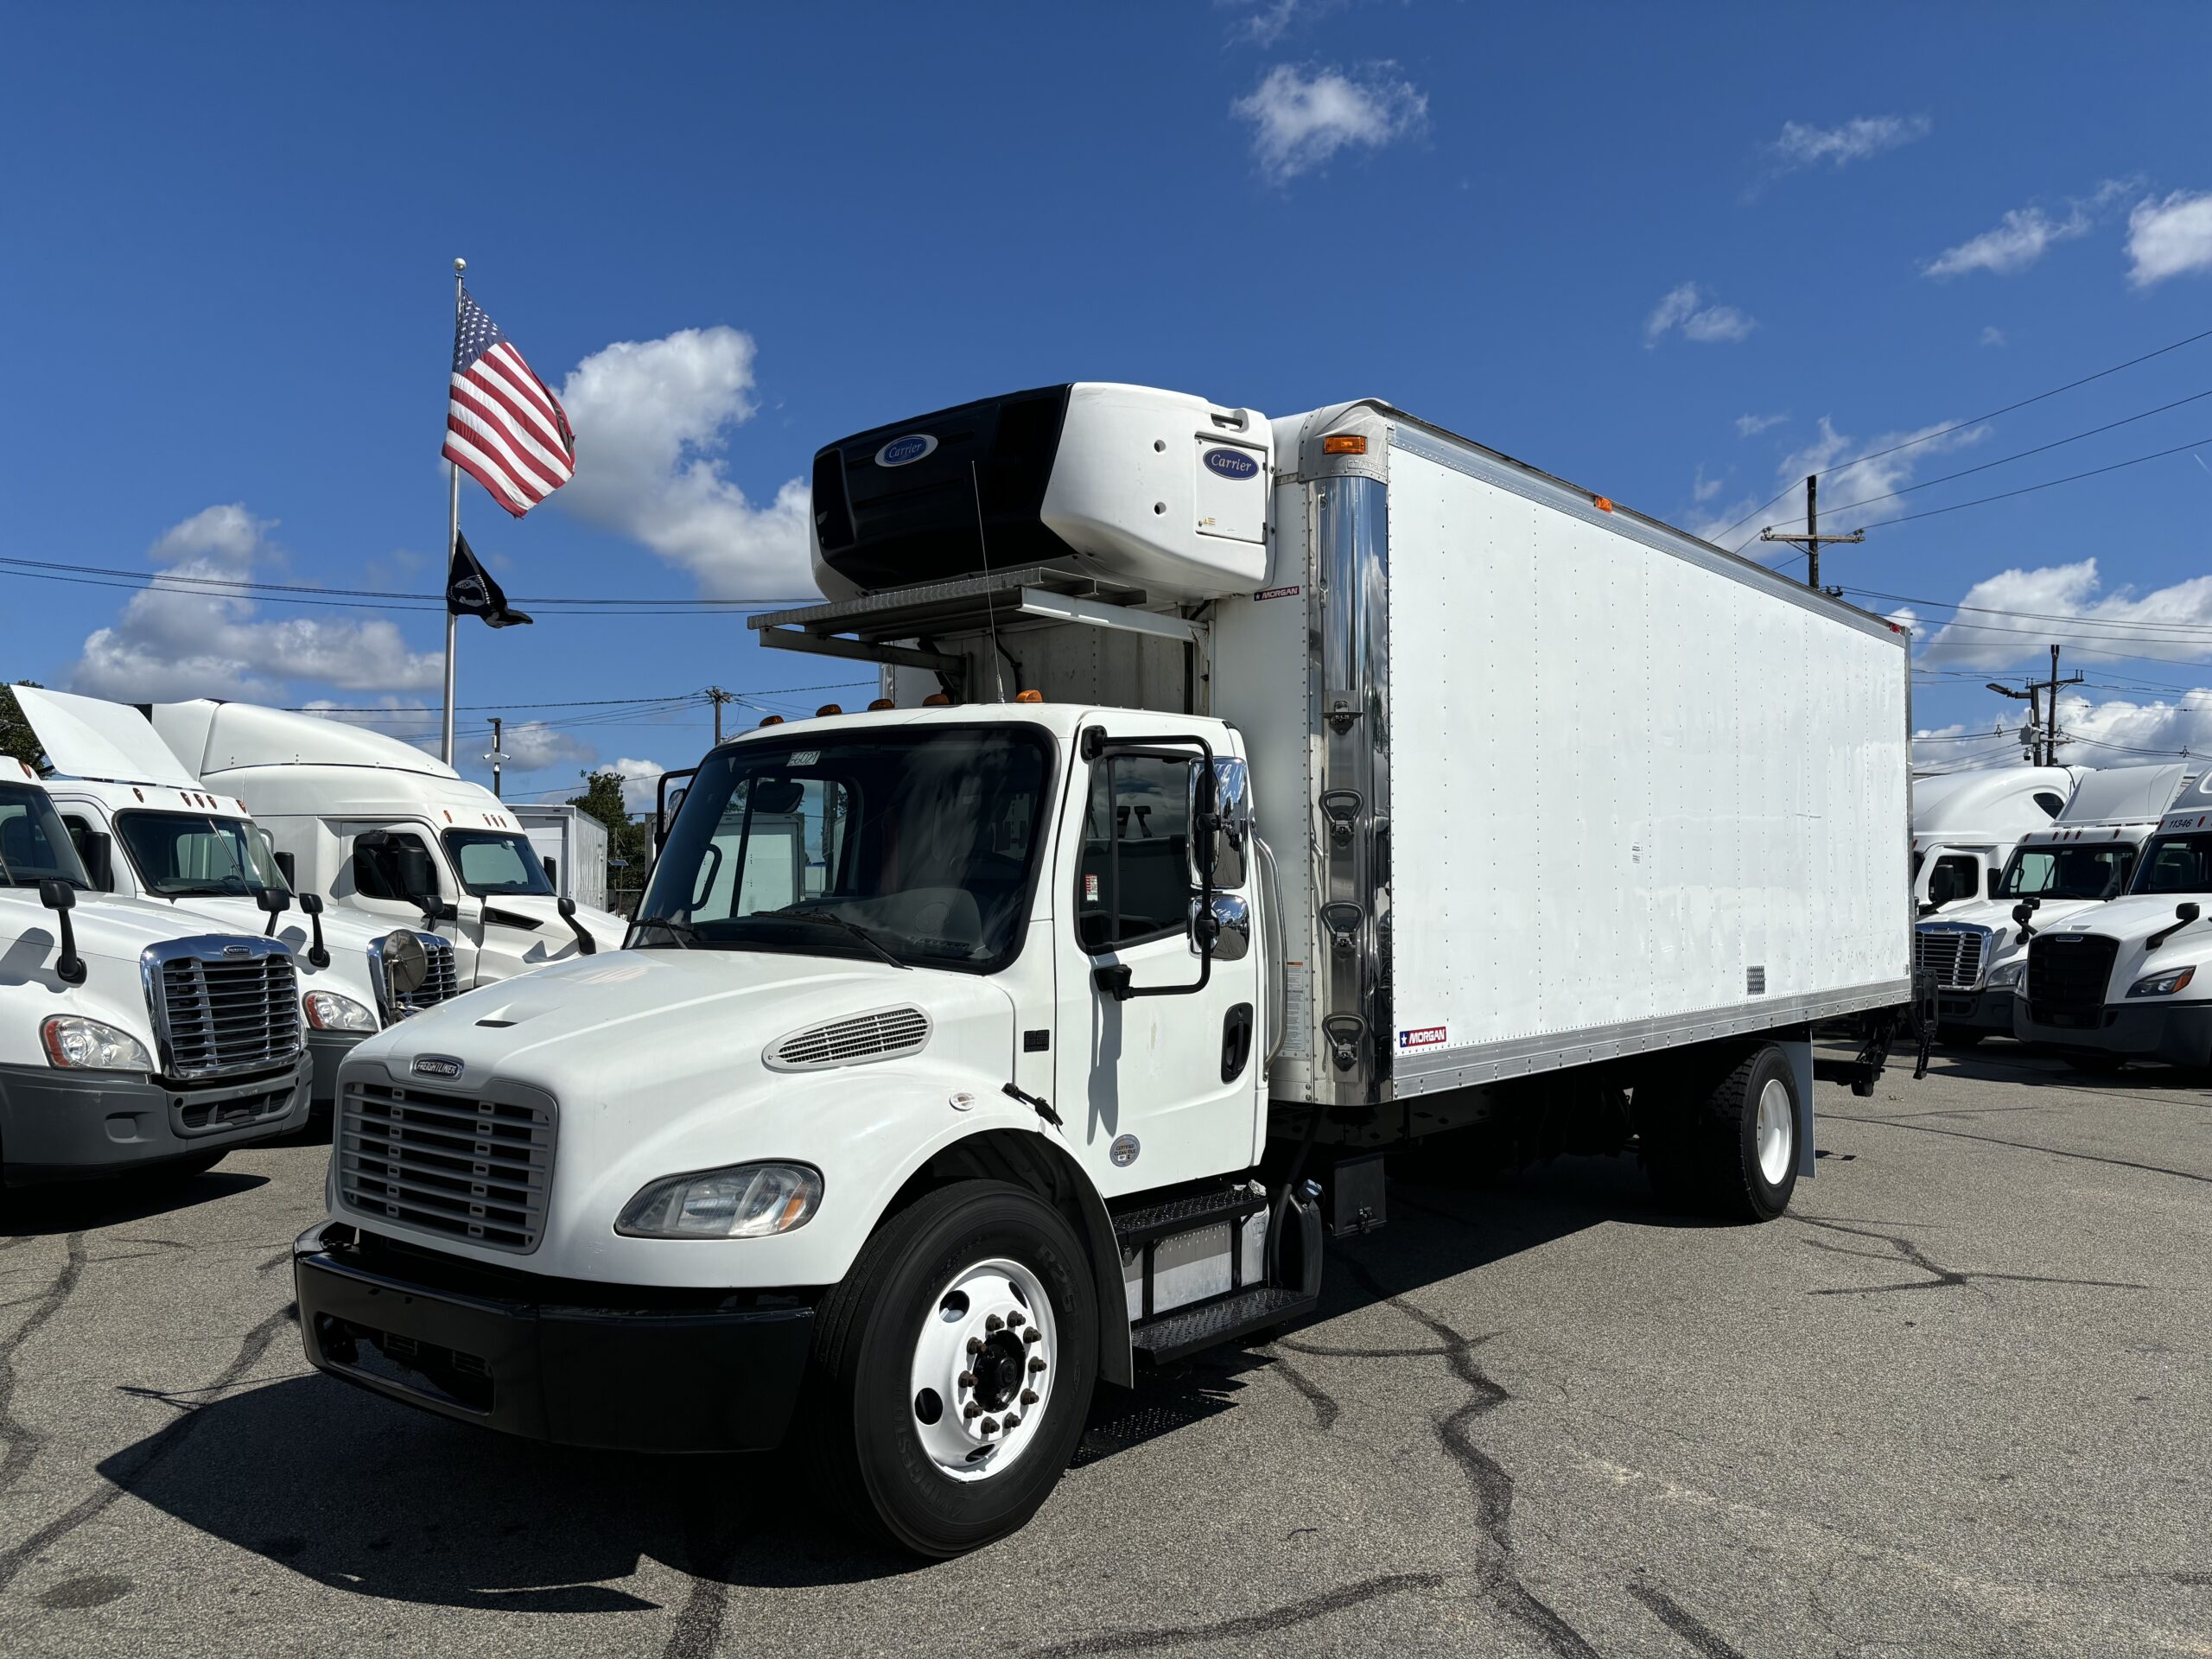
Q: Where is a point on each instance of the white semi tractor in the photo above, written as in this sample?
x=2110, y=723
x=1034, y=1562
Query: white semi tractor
x=1965, y=825
x=381, y=828
x=1257, y=795
x=145, y=828
x=132, y=1038
x=1976, y=950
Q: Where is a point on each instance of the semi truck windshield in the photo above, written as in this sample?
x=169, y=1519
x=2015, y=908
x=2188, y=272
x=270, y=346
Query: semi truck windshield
x=2177, y=864
x=497, y=864
x=925, y=842
x=34, y=847
x=2072, y=871
x=178, y=854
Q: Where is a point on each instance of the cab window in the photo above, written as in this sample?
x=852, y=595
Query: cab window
x=1134, y=881
x=1957, y=876
x=392, y=864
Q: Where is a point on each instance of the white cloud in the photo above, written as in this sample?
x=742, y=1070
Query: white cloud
x=1802, y=146
x=1300, y=121
x=2025, y=234
x=1843, y=489
x=2107, y=623
x=1704, y=489
x=2106, y=733
x=533, y=746
x=652, y=420
x=1749, y=426
x=1264, y=21
x=2170, y=238
x=1992, y=335
x=640, y=778
x=1685, y=308
x=171, y=643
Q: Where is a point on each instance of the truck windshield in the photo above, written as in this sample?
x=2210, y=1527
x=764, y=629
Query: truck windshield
x=34, y=847
x=923, y=842
x=496, y=863
x=187, y=855
x=2071, y=872
x=2177, y=864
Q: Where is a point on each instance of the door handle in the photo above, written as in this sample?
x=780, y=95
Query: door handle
x=1236, y=1041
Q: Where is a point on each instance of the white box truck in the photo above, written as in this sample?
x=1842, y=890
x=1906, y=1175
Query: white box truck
x=383, y=830
x=1975, y=950
x=133, y=1039
x=144, y=828
x=1258, y=795
x=571, y=845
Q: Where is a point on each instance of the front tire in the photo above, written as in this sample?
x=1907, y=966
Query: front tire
x=953, y=1368
x=1726, y=1147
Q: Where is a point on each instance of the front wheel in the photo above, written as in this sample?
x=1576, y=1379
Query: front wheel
x=953, y=1368
x=1726, y=1147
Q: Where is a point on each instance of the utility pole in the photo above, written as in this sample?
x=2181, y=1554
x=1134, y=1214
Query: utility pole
x=494, y=756
x=1812, y=541
x=2043, y=752
x=716, y=696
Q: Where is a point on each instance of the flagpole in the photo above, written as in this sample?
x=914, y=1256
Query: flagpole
x=453, y=540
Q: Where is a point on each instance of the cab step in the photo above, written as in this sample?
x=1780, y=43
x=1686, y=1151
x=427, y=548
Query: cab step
x=1182, y=1215
x=1187, y=1329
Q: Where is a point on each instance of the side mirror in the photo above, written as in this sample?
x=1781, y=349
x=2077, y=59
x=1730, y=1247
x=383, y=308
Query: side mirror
x=1231, y=925
x=2184, y=913
x=586, y=946
x=288, y=866
x=2023, y=912
x=311, y=907
x=552, y=871
x=60, y=897
x=98, y=851
x=275, y=903
x=310, y=903
x=1231, y=834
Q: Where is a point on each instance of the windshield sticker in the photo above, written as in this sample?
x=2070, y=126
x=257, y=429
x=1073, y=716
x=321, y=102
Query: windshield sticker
x=806, y=757
x=1090, y=889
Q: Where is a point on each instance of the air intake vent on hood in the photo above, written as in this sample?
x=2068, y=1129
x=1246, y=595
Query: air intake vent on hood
x=876, y=1035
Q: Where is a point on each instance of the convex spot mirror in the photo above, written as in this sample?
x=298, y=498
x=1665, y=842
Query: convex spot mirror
x=1231, y=929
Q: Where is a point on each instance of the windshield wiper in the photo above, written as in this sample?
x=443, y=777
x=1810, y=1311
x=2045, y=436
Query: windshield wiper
x=682, y=932
x=853, y=928
x=207, y=892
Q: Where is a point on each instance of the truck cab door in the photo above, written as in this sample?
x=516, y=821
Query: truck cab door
x=394, y=873
x=1156, y=1089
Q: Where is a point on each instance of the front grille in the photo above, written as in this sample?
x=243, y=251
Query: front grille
x=1952, y=954
x=196, y=1116
x=873, y=1036
x=470, y=1168
x=441, y=982
x=2068, y=974
x=220, y=1015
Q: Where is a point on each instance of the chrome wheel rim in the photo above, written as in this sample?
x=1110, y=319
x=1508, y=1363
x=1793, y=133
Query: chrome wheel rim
x=984, y=1363
x=1777, y=1131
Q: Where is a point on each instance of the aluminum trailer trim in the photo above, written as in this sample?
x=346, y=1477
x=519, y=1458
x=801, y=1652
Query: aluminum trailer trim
x=1423, y=1073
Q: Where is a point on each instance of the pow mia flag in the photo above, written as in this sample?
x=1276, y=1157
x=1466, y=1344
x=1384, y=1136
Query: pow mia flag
x=470, y=590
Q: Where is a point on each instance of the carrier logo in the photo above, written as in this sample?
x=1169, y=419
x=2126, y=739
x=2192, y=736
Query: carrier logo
x=900, y=451
x=1422, y=1037
x=1231, y=463
x=436, y=1066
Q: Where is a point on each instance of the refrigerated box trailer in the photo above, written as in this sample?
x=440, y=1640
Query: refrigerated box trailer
x=1257, y=795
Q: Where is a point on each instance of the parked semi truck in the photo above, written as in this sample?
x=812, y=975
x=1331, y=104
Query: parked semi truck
x=132, y=1038
x=1976, y=951
x=1965, y=825
x=381, y=828
x=145, y=828
x=1258, y=795
x=2133, y=979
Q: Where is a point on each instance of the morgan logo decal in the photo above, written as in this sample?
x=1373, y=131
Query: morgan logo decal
x=436, y=1066
x=900, y=451
x=1422, y=1037
x=1231, y=463
x=1276, y=593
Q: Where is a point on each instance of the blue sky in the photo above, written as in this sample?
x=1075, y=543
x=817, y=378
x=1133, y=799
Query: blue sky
x=1680, y=256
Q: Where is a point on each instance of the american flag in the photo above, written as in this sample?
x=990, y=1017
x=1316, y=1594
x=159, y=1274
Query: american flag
x=504, y=426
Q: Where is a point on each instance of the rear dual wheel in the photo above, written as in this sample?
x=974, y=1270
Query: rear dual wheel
x=1724, y=1144
x=952, y=1368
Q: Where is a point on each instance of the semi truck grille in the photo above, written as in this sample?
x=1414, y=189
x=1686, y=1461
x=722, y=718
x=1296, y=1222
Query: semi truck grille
x=1952, y=954
x=2068, y=974
x=222, y=1007
x=470, y=1168
x=440, y=981
x=873, y=1036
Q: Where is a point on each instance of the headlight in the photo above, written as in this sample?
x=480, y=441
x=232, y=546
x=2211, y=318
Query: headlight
x=81, y=1044
x=744, y=1201
x=2006, y=973
x=327, y=1011
x=2162, y=984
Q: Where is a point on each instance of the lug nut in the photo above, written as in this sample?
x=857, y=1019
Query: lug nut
x=994, y=1323
x=974, y=1344
x=1012, y=1423
x=1014, y=1321
x=1029, y=1396
x=1033, y=1334
x=967, y=1379
x=971, y=1411
x=1036, y=1362
x=989, y=1425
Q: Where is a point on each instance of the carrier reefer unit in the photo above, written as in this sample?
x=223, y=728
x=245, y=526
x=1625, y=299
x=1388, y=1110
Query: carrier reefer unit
x=1248, y=796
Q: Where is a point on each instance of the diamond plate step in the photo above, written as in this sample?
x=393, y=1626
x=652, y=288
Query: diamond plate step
x=1182, y=1215
x=1189, y=1329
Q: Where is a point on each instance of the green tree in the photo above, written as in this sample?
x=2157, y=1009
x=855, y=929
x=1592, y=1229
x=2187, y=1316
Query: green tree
x=628, y=841
x=17, y=737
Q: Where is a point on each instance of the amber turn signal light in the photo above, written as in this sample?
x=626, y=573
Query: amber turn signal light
x=1345, y=443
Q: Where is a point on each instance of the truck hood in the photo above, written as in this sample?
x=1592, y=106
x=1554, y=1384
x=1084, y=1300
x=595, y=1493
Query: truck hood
x=115, y=928
x=346, y=935
x=607, y=930
x=2134, y=919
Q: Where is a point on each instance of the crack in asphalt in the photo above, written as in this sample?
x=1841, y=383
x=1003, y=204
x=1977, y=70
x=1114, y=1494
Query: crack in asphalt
x=709, y=1549
x=22, y=1440
x=251, y=1346
x=1324, y=1404
x=2020, y=1146
x=1940, y=1277
x=1247, y=1625
x=1684, y=1624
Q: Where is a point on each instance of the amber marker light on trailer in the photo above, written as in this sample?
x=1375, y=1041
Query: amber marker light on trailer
x=1345, y=443
x=1603, y=503
x=1029, y=696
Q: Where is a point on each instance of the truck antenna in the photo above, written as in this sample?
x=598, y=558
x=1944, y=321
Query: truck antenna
x=990, y=609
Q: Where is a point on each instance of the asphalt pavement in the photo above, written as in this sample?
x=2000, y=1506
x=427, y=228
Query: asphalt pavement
x=1956, y=1401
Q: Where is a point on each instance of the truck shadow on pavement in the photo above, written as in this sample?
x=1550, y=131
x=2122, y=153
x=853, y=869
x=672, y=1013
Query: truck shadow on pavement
x=77, y=1206
x=368, y=1497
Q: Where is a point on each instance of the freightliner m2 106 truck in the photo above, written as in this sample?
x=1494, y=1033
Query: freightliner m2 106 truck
x=1249, y=796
